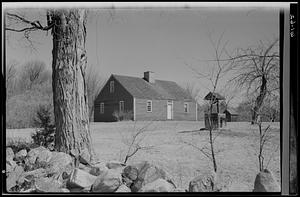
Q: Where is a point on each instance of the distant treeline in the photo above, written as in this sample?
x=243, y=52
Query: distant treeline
x=29, y=88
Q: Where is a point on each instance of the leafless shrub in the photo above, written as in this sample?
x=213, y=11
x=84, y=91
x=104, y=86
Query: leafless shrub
x=265, y=137
x=134, y=141
x=123, y=115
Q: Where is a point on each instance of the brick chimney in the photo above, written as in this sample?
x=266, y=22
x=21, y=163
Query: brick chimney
x=149, y=76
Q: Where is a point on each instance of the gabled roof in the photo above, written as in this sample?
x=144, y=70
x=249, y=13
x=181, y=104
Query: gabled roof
x=139, y=88
x=212, y=96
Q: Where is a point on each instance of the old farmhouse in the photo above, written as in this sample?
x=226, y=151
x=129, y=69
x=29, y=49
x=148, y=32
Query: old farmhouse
x=124, y=97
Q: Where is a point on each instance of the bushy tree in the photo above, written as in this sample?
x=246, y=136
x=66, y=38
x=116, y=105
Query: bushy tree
x=44, y=135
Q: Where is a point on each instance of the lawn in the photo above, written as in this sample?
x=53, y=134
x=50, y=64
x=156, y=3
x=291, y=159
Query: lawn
x=236, y=145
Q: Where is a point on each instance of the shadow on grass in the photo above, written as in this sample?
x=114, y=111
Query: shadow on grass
x=223, y=132
x=193, y=131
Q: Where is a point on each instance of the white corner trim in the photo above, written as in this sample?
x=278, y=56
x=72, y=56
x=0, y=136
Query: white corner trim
x=134, y=109
x=196, y=111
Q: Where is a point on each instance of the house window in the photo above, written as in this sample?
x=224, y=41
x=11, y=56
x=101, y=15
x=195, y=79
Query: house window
x=149, y=106
x=121, y=106
x=112, y=87
x=186, y=107
x=101, y=108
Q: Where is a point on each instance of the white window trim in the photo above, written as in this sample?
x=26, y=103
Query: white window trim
x=120, y=106
x=101, y=108
x=187, y=107
x=111, y=86
x=149, y=101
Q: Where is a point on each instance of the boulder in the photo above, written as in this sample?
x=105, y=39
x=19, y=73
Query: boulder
x=147, y=173
x=101, y=165
x=128, y=182
x=9, y=154
x=265, y=182
x=59, y=162
x=21, y=154
x=123, y=188
x=130, y=172
x=80, y=178
x=114, y=164
x=39, y=155
x=159, y=185
x=65, y=190
x=30, y=190
x=10, y=165
x=79, y=190
x=93, y=170
x=31, y=175
x=207, y=182
x=84, y=156
x=47, y=185
x=178, y=189
x=96, y=171
x=108, y=181
x=13, y=177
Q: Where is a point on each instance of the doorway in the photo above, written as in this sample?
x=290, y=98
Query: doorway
x=169, y=110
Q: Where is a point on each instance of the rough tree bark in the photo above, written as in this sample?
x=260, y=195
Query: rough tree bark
x=68, y=81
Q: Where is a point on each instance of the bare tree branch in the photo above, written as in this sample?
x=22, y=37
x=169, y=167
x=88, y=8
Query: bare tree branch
x=34, y=25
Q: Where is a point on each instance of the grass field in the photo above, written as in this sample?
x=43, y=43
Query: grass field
x=236, y=145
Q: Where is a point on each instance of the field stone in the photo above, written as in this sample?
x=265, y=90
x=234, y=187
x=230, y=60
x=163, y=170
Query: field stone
x=10, y=165
x=65, y=190
x=21, y=154
x=13, y=177
x=123, y=188
x=81, y=178
x=101, y=165
x=80, y=190
x=128, y=182
x=265, y=182
x=59, y=161
x=204, y=183
x=95, y=169
x=30, y=190
x=178, y=189
x=159, y=185
x=114, y=164
x=84, y=156
x=39, y=154
x=47, y=185
x=108, y=181
x=37, y=173
x=147, y=173
x=9, y=154
x=130, y=172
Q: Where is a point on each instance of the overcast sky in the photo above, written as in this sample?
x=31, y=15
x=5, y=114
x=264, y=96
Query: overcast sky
x=166, y=41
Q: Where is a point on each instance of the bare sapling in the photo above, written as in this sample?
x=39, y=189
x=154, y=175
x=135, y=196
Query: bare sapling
x=218, y=69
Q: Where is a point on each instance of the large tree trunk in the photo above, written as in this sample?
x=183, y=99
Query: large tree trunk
x=259, y=99
x=68, y=81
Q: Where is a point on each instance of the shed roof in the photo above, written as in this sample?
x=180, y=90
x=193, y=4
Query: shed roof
x=139, y=88
x=231, y=111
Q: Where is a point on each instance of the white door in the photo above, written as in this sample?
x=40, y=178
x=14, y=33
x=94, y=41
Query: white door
x=169, y=110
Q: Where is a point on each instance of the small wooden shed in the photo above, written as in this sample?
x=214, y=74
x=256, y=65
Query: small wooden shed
x=214, y=116
x=231, y=115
